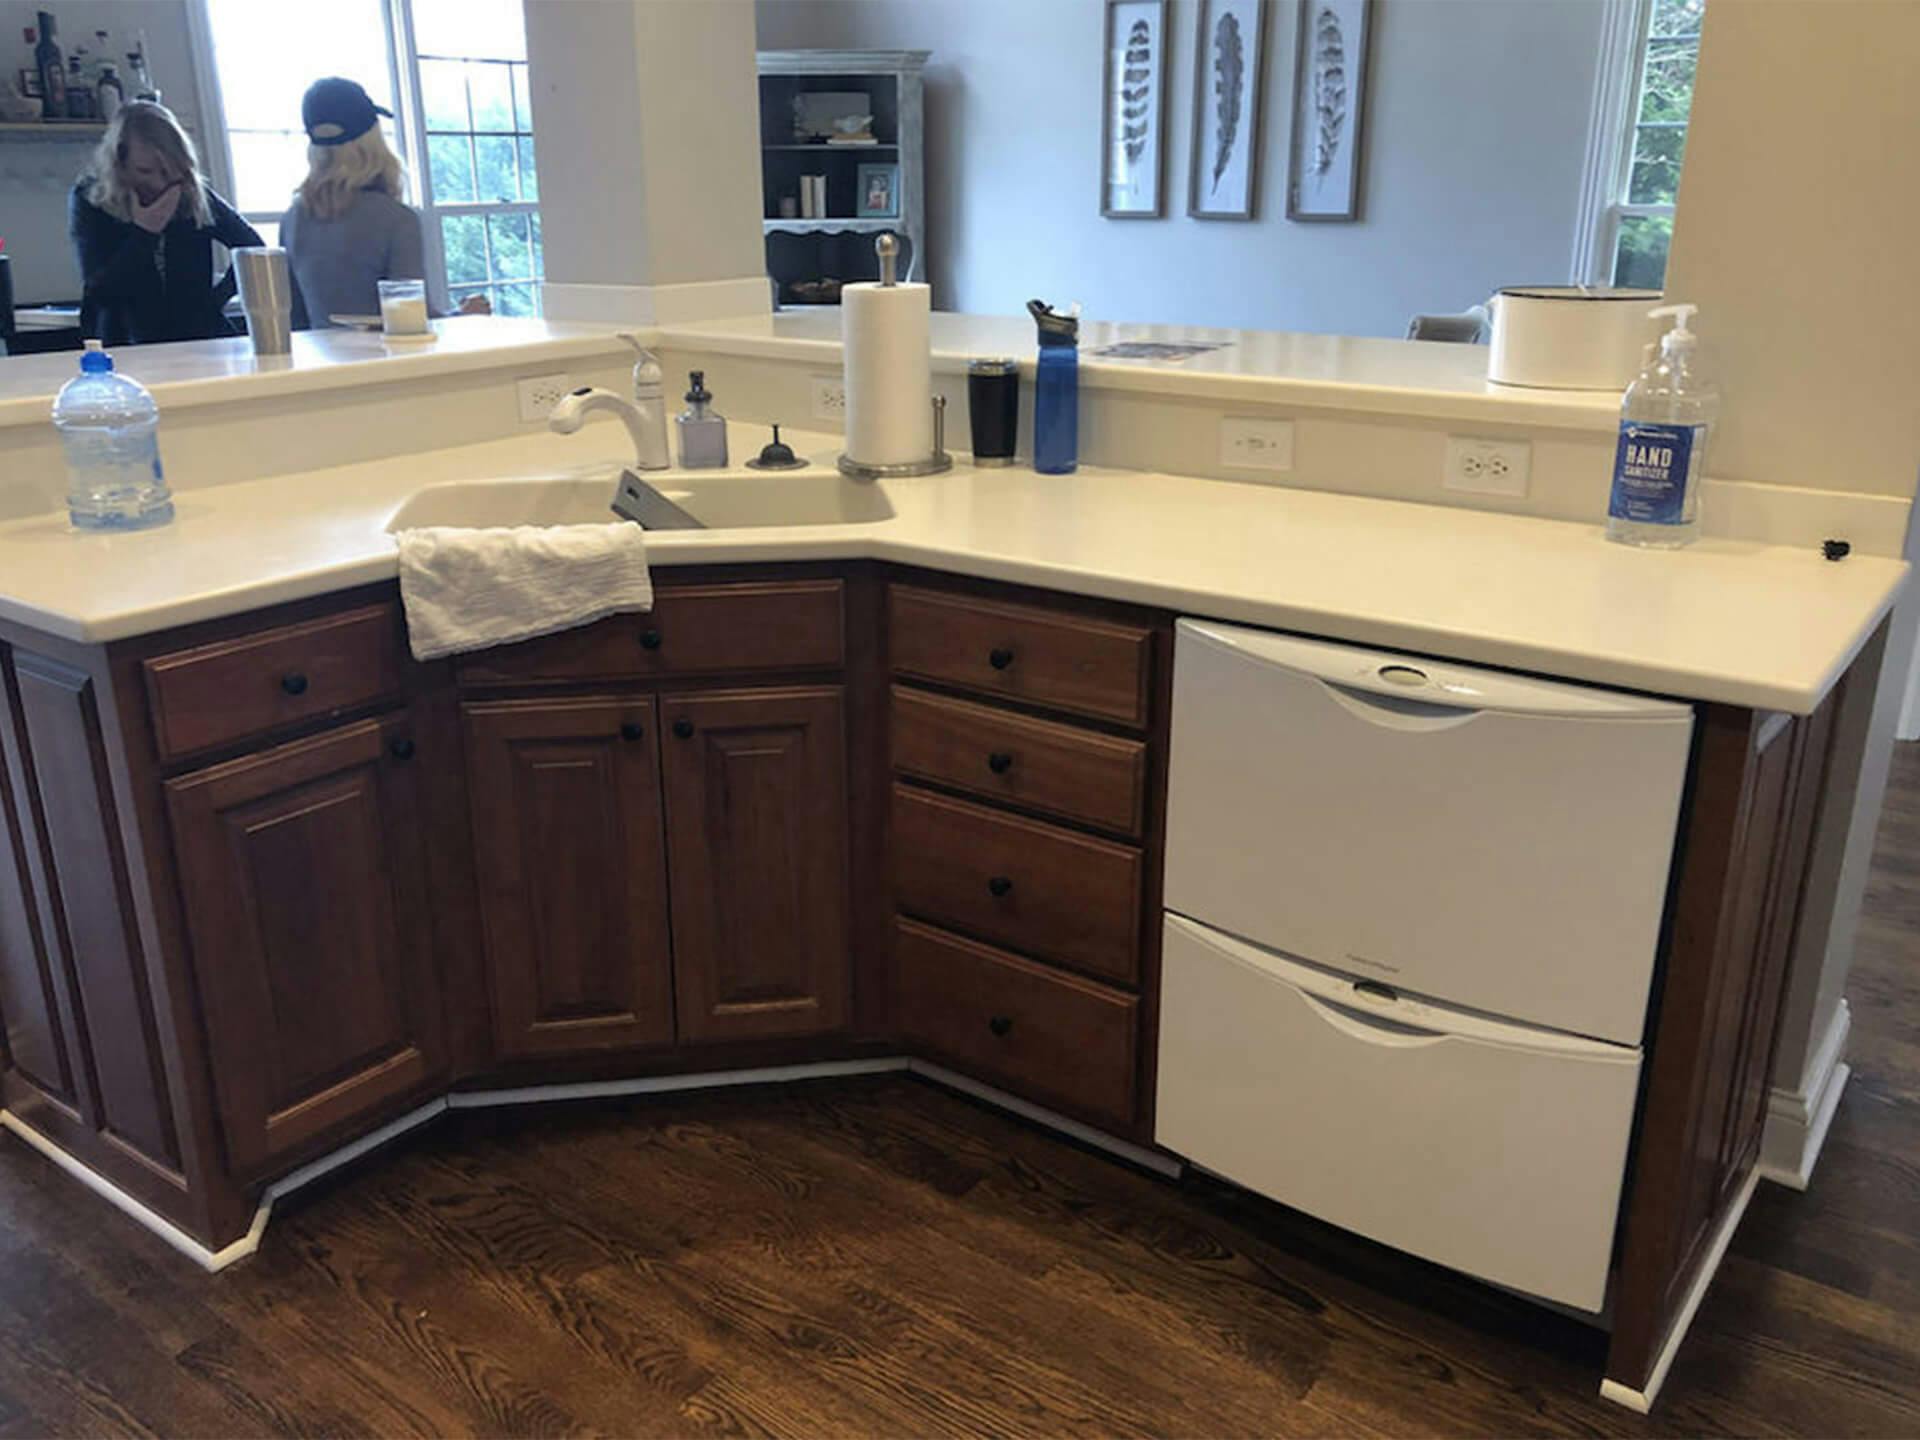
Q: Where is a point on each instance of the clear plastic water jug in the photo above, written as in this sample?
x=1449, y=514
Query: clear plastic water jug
x=111, y=429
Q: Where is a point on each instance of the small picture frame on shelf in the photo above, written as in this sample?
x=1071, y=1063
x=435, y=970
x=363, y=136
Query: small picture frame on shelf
x=879, y=192
x=29, y=83
x=1133, y=122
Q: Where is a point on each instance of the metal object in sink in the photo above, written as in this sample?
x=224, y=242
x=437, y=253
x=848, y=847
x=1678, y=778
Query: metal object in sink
x=634, y=499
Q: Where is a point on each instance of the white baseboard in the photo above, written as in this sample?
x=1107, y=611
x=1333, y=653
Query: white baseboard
x=1135, y=1154
x=1642, y=1400
x=656, y=304
x=1798, y=1120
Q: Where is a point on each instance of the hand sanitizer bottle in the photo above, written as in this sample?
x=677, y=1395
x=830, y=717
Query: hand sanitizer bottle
x=703, y=432
x=1666, y=420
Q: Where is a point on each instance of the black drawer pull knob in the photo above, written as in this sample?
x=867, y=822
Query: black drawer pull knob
x=401, y=748
x=631, y=731
x=999, y=762
x=294, y=684
x=649, y=639
x=999, y=886
x=683, y=728
x=1000, y=1024
x=1000, y=657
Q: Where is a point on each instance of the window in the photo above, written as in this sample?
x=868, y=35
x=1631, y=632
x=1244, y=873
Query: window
x=454, y=72
x=1643, y=99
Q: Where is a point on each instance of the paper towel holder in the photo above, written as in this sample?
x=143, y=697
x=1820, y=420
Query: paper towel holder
x=934, y=464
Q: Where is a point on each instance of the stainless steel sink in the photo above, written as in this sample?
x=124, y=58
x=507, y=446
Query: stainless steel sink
x=720, y=502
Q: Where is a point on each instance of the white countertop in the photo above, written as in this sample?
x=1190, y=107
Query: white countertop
x=1725, y=620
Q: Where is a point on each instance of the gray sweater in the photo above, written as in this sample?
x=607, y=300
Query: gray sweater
x=337, y=263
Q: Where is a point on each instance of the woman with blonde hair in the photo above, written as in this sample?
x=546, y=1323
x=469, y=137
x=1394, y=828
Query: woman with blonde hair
x=143, y=221
x=347, y=229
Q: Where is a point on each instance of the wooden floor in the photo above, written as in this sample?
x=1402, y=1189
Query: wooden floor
x=879, y=1257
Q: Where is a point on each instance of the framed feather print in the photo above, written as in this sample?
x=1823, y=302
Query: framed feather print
x=1134, y=125
x=1229, y=47
x=1329, y=101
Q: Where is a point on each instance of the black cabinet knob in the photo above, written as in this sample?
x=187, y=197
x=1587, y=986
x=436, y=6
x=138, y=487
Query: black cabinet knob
x=1000, y=1024
x=401, y=748
x=631, y=731
x=999, y=762
x=683, y=728
x=649, y=639
x=294, y=684
x=998, y=886
x=1000, y=657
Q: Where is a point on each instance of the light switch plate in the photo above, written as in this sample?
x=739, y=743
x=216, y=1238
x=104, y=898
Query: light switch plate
x=1249, y=444
x=1480, y=466
x=540, y=393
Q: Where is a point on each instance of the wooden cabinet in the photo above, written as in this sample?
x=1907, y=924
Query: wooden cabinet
x=565, y=798
x=303, y=875
x=757, y=846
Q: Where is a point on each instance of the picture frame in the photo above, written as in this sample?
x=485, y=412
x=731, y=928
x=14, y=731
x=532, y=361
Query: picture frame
x=877, y=196
x=28, y=83
x=1324, y=166
x=1229, y=74
x=1134, y=110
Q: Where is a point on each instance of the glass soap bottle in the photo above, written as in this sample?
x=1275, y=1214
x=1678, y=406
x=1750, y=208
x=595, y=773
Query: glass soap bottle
x=703, y=430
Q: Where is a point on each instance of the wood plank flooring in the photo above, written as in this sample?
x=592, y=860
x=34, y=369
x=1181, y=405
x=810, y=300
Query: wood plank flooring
x=878, y=1257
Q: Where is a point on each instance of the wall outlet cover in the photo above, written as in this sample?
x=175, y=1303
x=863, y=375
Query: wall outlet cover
x=829, y=397
x=1249, y=444
x=1479, y=466
x=540, y=393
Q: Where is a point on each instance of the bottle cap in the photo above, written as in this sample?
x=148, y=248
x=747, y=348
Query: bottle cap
x=95, y=360
x=1055, y=328
x=1679, y=338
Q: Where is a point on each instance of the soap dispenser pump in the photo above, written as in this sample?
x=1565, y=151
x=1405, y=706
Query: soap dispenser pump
x=650, y=399
x=703, y=431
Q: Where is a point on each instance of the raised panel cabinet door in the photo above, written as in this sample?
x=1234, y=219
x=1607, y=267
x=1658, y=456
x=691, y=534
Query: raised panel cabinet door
x=565, y=796
x=757, y=847
x=304, y=880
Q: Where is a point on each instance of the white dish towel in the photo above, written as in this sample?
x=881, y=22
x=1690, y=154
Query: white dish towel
x=469, y=589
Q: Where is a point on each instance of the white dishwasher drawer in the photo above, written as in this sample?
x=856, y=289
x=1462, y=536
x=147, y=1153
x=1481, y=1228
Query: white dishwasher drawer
x=1492, y=841
x=1489, y=1147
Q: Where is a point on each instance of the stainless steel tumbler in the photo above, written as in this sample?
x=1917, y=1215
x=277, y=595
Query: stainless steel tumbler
x=266, y=294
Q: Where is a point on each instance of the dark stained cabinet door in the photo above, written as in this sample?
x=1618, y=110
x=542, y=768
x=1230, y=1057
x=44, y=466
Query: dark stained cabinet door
x=305, y=886
x=565, y=796
x=757, y=835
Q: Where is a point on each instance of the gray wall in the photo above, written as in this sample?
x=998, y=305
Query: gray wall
x=1476, y=132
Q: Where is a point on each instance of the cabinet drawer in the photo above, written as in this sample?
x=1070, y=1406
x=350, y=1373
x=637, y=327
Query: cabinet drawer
x=1021, y=652
x=691, y=630
x=219, y=693
x=1052, y=1038
x=1047, y=891
x=1096, y=779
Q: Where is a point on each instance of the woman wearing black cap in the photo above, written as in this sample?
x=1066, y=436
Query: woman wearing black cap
x=348, y=228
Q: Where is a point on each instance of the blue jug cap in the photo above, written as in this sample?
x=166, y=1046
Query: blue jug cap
x=95, y=360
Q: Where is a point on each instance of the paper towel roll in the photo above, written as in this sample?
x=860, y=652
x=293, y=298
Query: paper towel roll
x=889, y=375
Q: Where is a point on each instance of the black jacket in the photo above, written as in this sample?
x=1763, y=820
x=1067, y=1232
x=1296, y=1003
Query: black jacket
x=139, y=288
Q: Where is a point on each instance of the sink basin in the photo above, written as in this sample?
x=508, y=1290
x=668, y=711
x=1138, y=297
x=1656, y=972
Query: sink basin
x=720, y=502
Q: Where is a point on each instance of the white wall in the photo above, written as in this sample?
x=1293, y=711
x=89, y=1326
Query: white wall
x=1476, y=130
x=35, y=176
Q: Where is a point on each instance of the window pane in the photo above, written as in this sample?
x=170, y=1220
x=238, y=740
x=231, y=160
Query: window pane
x=529, y=178
x=512, y=251
x=493, y=154
x=492, y=94
x=1640, y=256
x=452, y=163
x=443, y=94
x=514, y=300
x=465, y=238
x=522, y=101
x=539, y=255
x=267, y=164
x=1677, y=17
x=1656, y=166
x=266, y=55
x=490, y=29
x=1666, y=89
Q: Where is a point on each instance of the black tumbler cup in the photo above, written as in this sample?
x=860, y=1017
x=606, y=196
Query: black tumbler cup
x=993, y=406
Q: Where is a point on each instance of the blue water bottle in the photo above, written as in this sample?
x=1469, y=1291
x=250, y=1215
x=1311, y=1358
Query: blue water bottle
x=1056, y=395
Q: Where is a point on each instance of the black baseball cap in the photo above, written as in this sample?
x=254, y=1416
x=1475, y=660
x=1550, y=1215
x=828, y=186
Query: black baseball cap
x=335, y=111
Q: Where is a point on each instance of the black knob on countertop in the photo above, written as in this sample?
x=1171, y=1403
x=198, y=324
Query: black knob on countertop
x=1000, y=657
x=294, y=684
x=649, y=639
x=401, y=748
x=683, y=728
x=998, y=886
x=1000, y=1024
x=999, y=762
x=632, y=731
x=1835, y=549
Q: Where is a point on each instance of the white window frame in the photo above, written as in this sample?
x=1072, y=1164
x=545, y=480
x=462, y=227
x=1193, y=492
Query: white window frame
x=1610, y=136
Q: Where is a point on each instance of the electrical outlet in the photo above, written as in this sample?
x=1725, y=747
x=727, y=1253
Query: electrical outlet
x=829, y=397
x=540, y=393
x=1487, y=467
x=1248, y=444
